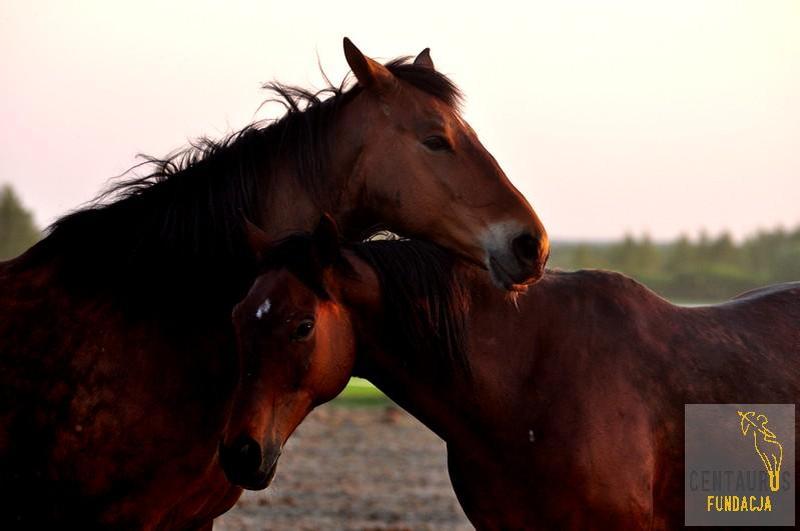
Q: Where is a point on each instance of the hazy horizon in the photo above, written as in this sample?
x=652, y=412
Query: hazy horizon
x=664, y=118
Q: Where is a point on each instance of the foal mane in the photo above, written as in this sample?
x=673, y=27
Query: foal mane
x=183, y=222
x=425, y=303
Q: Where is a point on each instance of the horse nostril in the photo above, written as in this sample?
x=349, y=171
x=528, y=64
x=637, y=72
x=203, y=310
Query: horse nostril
x=243, y=458
x=250, y=455
x=526, y=248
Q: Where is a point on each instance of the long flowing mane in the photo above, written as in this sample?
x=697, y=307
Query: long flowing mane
x=177, y=232
x=425, y=305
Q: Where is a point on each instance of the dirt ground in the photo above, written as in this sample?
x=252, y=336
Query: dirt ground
x=355, y=468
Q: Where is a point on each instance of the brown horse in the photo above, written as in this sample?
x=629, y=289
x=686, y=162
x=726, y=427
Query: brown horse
x=564, y=410
x=117, y=357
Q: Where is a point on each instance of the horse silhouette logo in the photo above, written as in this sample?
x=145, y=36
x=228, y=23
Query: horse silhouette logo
x=768, y=448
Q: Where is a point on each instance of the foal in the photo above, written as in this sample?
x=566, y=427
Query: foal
x=564, y=411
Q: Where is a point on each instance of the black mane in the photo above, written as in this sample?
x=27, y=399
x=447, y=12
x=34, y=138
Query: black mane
x=425, y=305
x=179, y=229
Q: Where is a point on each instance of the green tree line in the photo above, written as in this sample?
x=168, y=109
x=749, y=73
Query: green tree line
x=703, y=269
x=17, y=228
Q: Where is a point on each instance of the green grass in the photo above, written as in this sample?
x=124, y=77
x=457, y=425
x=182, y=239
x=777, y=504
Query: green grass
x=361, y=393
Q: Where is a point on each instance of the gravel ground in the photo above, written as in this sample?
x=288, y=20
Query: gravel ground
x=355, y=468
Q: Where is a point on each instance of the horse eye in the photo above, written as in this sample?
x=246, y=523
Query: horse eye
x=303, y=330
x=437, y=143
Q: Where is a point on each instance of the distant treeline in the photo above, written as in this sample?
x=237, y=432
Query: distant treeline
x=17, y=228
x=701, y=269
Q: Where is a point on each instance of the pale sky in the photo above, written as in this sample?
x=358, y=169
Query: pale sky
x=664, y=117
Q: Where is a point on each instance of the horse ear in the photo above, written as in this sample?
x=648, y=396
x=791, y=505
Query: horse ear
x=326, y=241
x=257, y=239
x=369, y=73
x=424, y=59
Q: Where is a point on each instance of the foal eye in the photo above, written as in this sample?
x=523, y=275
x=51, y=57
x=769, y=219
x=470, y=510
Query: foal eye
x=437, y=143
x=303, y=330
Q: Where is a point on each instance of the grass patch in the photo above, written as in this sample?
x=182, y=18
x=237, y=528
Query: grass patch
x=361, y=393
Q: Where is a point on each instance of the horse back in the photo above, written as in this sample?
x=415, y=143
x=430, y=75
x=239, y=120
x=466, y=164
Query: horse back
x=752, y=343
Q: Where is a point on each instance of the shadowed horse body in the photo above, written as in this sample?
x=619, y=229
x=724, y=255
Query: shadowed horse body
x=117, y=357
x=563, y=409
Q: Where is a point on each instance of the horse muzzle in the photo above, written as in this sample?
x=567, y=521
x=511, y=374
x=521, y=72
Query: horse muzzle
x=516, y=262
x=247, y=465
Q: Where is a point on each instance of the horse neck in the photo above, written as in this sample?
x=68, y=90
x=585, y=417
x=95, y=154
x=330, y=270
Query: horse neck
x=288, y=208
x=506, y=342
x=440, y=404
x=131, y=252
x=433, y=403
x=350, y=202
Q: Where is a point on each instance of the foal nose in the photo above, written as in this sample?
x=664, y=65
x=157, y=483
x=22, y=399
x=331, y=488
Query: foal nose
x=532, y=252
x=242, y=459
x=245, y=464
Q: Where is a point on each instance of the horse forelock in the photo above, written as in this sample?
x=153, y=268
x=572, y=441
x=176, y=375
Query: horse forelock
x=297, y=254
x=427, y=80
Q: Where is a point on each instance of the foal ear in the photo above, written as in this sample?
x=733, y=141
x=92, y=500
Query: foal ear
x=326, y=241
x=369, y=73
x=257, y=239
x=424, y=59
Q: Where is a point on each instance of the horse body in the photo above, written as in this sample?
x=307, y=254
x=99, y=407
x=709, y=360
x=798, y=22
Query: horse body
x=573, y=417
x=118, y=367
x=562, y=410
x=125, y=432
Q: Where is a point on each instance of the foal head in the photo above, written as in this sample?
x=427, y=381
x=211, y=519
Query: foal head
x=296, y=349
x=419, y=168
x=313, y=310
